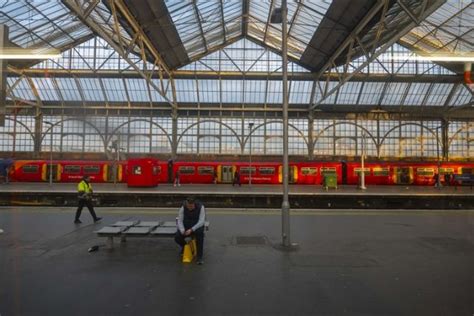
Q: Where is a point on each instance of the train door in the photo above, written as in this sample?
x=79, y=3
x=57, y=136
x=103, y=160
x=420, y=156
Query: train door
x=55, y=175
x=113, y=172
x=227, y=175
x=403, y=175
x=344, y=172
x=292, y=174
x=170, y=171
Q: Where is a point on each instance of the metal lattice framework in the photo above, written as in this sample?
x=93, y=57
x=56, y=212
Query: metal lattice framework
x=221, y=59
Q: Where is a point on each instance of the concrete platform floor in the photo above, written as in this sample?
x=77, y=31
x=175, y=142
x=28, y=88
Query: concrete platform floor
x=347, y=263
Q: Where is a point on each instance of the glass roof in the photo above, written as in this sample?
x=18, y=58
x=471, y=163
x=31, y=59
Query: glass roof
x=41, y=23
x=303, y=20
x=242, y=56
x=448, y=29
x=398, y=60
x=203, y=25
x=219, y=21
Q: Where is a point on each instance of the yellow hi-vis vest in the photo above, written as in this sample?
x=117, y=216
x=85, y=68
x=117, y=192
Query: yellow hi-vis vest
x=85, y=187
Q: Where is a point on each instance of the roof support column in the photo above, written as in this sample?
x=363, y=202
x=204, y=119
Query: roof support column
x=174, y=122
x=38, y=119
x=445, y=139
x=311, y=135
x=285, y=206
x=3, y=73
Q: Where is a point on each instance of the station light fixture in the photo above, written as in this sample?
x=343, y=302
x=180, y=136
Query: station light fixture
x=11, y=53
x=460, y=58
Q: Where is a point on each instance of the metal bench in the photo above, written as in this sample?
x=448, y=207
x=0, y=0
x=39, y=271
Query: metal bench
x=124, y=229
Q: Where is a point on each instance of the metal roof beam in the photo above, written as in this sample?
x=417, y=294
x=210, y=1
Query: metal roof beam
x=371, y=49
x=122, y=45
x=245, y=16
x=250, y=75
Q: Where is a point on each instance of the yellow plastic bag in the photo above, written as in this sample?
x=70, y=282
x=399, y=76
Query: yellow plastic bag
x=189, y=251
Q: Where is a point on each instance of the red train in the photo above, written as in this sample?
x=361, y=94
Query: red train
x=150, y=172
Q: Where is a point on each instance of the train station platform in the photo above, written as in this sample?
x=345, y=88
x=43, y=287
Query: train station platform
x=357, y=262
x=255, y=196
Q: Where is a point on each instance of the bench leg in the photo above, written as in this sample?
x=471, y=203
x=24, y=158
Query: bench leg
x=123, y=239
x=110, y=242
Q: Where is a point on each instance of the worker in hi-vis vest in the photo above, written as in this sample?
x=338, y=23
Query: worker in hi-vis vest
x=84, y=188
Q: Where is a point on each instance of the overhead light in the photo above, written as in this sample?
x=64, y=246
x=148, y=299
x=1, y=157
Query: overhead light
x=467, y=58
x=28, y=53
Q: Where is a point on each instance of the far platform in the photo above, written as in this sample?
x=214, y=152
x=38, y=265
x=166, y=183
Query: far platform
x=245, y=196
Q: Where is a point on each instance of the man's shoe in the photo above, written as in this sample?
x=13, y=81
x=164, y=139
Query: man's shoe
x=200, y=261
x=76, y=221
x=97, y=219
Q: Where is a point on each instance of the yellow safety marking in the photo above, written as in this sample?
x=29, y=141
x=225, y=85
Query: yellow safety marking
x=219, y=173
x=120, y=173
x=104, y=173
x=43, y=173
x=59, y=170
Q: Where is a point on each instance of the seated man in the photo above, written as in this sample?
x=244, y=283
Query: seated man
x=191, y=218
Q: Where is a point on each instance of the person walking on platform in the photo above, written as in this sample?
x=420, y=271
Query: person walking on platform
x=84, y=188
x=236, y=178
x=176, y=179
x=191, y=219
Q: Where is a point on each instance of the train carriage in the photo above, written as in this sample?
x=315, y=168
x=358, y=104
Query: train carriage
x=98, y=171
x=195, y=172
x=28, y=171
x=309, y=173
x=144, y=172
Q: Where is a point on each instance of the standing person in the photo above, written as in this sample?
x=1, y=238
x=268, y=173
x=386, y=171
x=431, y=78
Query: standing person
x=84, y=188
x=191, y=219
x=7, y=174
x=236, y=179
x=447, y=179
x=215, y=177
x=176, y=179
x=4, y=172
x=435, y=178
x=5, y=165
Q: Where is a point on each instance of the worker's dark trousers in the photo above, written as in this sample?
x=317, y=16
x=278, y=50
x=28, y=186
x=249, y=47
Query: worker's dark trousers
x=199, y=234
x=87, y=203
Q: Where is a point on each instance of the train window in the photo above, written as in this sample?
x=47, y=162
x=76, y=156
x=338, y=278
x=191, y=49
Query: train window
x=427, y=172
x=205, y=170
x=29, y=169
x=156, y=170
x=359, y=170
x=186, y=170
x=266, y=170
x=381, y=172
x=466, y=170
x=247, y=170
x=91, y=169
x=137, y=170
x=72, y=169
x=328, y=170
x=446, y=170
x=309, y=171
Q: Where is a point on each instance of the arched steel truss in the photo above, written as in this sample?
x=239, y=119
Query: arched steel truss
x=242, y=137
